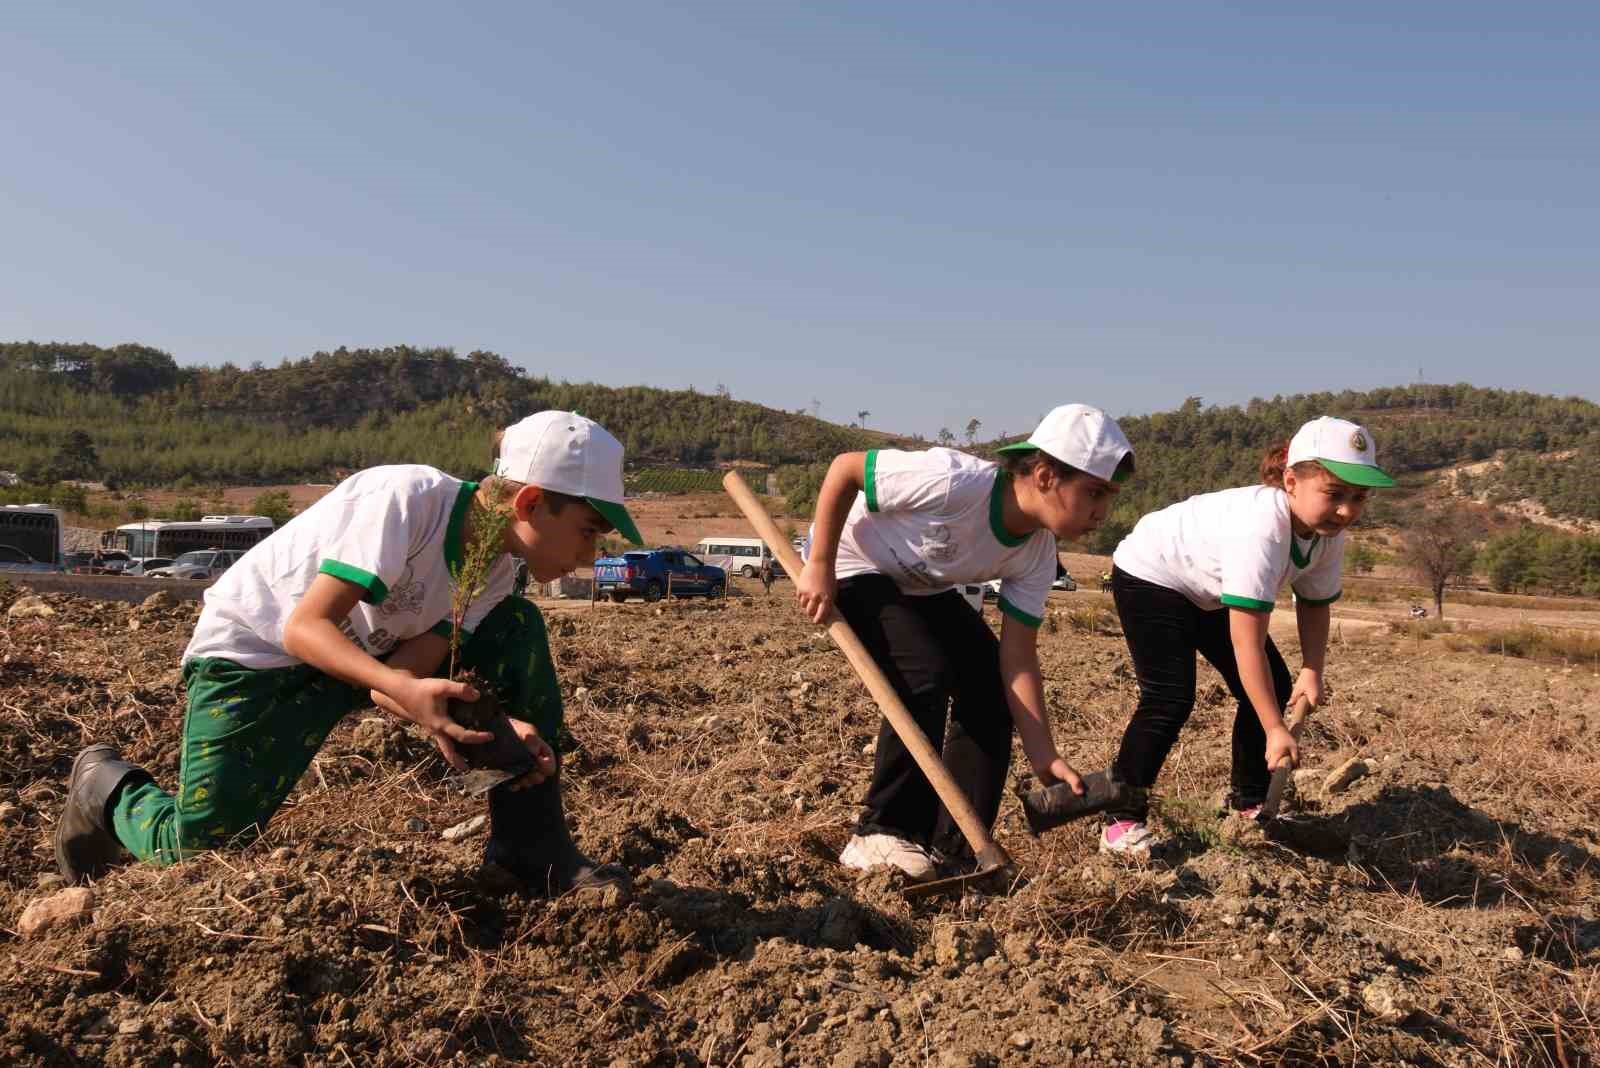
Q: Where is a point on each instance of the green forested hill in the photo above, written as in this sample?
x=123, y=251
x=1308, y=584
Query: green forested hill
x=151, y=421
x=146, y=420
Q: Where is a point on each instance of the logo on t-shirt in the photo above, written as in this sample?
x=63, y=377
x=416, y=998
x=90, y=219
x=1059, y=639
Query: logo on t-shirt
x=936, y=544
x=406, y=597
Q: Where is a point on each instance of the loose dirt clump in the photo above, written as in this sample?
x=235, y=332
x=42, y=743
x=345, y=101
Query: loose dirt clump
x=1441, y=909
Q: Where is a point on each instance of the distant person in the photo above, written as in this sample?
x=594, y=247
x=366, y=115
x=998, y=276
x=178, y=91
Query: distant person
x=291, y=637
x=766, y=575
x=894, y=532
x=1203, y=576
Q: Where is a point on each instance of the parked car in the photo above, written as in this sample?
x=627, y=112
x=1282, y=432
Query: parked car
x=142, y=568
x=649, y=573
x=200, y=564
x=1064, y=581
x=14, y=559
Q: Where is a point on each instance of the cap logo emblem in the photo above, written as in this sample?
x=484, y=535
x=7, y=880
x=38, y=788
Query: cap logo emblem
x=1358, y=441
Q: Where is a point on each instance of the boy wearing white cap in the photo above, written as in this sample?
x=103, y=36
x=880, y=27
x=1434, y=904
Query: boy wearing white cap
x=352, y=599
x=1203, y=576
x=894, y=534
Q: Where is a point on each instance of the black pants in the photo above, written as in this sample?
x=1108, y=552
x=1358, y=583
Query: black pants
x=932, y=649
x=1164, y=630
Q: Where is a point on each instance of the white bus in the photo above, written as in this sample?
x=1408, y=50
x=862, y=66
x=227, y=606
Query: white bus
x=170, y=538
x=738, y=556
x=37, y=533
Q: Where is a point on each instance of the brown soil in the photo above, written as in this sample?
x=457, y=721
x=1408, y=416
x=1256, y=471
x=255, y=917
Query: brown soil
x=719, y=751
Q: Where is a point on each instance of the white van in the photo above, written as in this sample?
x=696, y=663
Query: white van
x=736, y=556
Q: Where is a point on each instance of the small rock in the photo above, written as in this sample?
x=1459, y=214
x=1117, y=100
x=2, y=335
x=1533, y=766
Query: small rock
x=10, y=813
x=465, y=829
x=72, y=905
x=416, y=824
x=1340, y=778
x=1512, y=953
x=962, y=943
x=1306, y=781
x=134, y=623
x=1020, y=1040
x=159, y=599
x=580, y=693
x=1387, y=999
x=30, y=608
x=133, y=1025
x=50, y=880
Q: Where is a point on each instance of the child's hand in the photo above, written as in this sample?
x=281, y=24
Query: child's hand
x=1309, y=685
x=1060, y=771
x=423, y=702
x=1282, y=751
x=816, y=589
x=544, y=758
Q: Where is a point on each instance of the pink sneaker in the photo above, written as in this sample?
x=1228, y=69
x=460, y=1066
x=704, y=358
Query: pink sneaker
x=1128, y=837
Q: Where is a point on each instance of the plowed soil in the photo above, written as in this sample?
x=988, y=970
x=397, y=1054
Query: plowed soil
x=1440, y=910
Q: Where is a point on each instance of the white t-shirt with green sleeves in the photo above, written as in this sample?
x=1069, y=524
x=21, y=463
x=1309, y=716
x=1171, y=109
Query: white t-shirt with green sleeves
x=1235, y=548
x=394, y=531
x=931, y=520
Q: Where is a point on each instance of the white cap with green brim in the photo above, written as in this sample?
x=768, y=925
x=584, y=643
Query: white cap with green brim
x=1082, y=437
x=1343, y=448
x=567, y=453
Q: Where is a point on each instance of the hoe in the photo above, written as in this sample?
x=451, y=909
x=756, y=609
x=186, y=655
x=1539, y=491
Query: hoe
x=992, y=859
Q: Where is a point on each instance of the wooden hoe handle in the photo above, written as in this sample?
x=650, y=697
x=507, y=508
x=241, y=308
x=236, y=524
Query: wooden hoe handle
x=989, y=852
x=1295, y=720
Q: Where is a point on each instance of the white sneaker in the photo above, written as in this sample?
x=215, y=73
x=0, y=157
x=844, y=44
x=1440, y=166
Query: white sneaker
x=867, y=851
x=1128, y=837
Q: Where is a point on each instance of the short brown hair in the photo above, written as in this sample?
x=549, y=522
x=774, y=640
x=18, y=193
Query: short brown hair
x=1021, y=464
x=1276, y=461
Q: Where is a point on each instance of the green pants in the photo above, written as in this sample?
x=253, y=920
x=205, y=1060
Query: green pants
x=248, y=735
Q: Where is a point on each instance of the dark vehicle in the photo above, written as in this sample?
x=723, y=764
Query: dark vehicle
x=83, y=562
x=204, y=564
x=651, y=573
x=14, y=559
x=142, y=568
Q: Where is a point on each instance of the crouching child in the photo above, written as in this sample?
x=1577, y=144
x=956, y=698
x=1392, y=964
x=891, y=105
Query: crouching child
x=350, y=601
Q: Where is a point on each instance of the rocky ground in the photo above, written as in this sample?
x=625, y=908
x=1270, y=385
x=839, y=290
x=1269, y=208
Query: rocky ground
x=1438, y=907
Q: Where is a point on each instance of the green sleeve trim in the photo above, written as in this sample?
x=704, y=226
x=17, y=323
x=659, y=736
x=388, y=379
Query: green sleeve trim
x=1019, y=615
x=1249, y=603
x=454, y=553
x=1318, y=600
x=997, y=513
x=376, y=590
x=872, y=480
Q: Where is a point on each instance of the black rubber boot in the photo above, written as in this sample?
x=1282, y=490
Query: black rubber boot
x=529, y=841
x=86, y=846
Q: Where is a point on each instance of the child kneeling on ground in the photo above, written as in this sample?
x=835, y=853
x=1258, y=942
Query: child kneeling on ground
x=1203, y=575
x=894, y=532
x=350, y=599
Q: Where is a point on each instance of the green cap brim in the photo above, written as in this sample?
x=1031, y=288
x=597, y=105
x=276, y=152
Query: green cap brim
x=1017, y=446
x=1358, y=474
x=618, y=517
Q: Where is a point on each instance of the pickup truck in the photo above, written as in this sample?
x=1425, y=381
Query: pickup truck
x=650, y=573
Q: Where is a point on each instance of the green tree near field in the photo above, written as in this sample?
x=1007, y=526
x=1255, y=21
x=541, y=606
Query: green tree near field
x=973, y=426
x=946, y=438
x=76, y=458
x=276, y=505
x=138, y=510
x=1436, y=544
x=1360, y=558
x=70, y=498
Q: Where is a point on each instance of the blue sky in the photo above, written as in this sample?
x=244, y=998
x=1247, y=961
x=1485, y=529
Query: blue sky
x=930, y=211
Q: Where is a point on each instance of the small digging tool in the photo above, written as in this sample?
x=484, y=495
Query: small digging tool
x=1280, y=778
x=1048, y=807
x=992, y=859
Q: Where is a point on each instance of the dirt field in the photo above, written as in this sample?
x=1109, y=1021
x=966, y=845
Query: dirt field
x=1441, y=910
